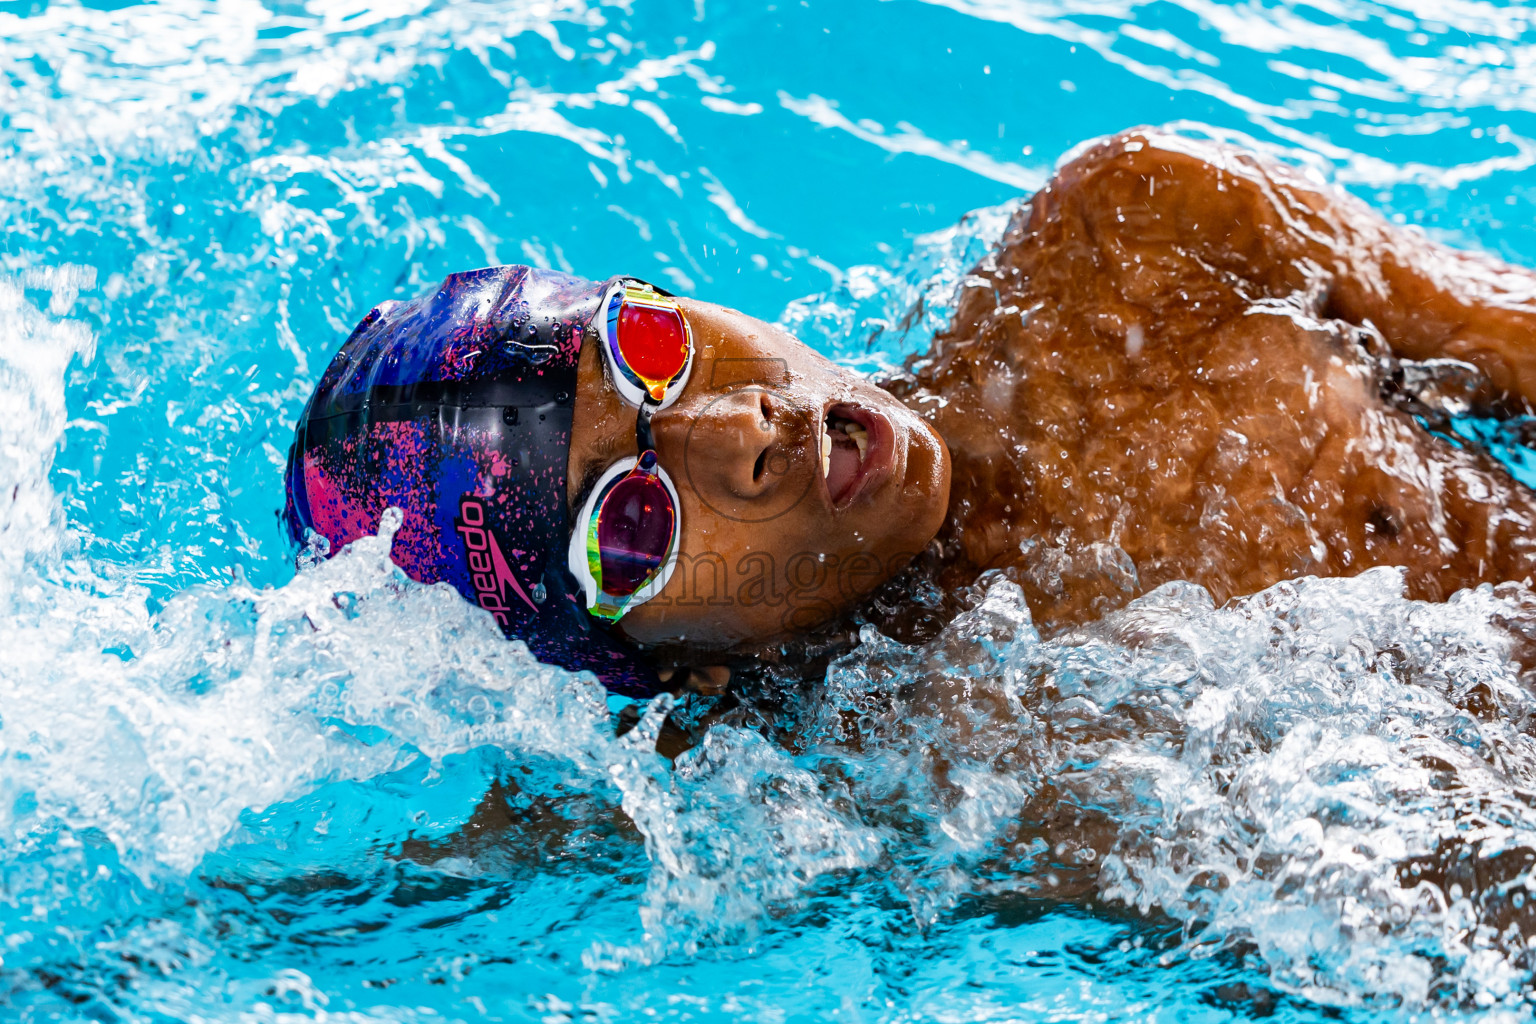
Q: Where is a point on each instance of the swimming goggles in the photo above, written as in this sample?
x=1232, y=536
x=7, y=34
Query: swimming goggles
x=625, y=540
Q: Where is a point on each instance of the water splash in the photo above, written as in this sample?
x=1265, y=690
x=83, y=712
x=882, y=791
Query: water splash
x=1326, y=776
x=875, y=318
x=231, y=793
x=1325, y=773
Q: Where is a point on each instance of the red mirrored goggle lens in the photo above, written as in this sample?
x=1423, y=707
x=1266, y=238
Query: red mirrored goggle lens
x=653, y=341
x=634, y=532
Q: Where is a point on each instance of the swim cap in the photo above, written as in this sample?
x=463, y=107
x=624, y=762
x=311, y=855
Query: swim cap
x=456, y=407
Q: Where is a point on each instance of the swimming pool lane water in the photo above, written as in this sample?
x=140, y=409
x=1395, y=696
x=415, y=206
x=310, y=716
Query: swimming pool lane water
x=230, y=793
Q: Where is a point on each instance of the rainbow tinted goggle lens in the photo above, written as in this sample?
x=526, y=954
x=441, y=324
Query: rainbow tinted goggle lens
x=625, y=540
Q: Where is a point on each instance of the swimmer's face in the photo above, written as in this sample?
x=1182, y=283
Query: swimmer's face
x=776, y=540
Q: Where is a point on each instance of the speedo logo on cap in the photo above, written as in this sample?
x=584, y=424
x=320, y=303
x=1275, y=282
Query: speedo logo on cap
x=489, y=572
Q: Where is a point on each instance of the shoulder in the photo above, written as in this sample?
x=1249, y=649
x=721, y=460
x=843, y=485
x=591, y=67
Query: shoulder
x=1145, y=154
x=1153, y=212
x=1178, y=185
x=1144, y=240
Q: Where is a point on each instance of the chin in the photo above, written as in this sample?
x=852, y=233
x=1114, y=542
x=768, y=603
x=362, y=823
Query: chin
x=916, y=504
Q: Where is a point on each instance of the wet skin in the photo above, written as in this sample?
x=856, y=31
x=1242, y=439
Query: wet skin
x=771, y=545
x=1187, y=363
x=1185, y=366
x=1182, y=362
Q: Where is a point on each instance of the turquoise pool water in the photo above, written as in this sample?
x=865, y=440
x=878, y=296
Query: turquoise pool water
x=233, y=794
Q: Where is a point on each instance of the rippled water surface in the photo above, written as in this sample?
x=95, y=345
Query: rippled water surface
x=233, y=794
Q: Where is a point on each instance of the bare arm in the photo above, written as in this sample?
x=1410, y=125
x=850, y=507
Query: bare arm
x=1263, y=223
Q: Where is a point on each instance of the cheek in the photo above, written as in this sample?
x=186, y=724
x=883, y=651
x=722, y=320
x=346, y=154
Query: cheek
x=735, y=585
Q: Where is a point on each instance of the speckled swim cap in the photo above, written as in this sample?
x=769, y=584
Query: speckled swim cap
x=456, y=408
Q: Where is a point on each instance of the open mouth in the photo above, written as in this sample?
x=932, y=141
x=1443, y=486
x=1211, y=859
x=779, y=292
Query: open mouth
x=854, y=443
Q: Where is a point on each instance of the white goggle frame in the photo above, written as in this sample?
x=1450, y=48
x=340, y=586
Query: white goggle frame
x=606, y=605
x=606, y=323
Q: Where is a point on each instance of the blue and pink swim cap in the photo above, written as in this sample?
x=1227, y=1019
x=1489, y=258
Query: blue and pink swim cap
x=456, y=408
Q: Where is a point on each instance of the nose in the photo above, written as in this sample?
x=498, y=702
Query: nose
x=734, y=445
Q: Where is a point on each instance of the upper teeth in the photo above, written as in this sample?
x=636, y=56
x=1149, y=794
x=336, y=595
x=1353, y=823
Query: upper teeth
x=853, y=431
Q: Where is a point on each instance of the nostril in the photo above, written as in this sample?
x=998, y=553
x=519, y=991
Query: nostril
x=760, y=465
x=765, y=409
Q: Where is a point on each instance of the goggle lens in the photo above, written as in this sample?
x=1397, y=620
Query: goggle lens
x=652, y=342
x=648, y=337
x=634, y=532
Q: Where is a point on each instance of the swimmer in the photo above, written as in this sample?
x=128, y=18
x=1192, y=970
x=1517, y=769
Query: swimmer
x=1183, y=362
